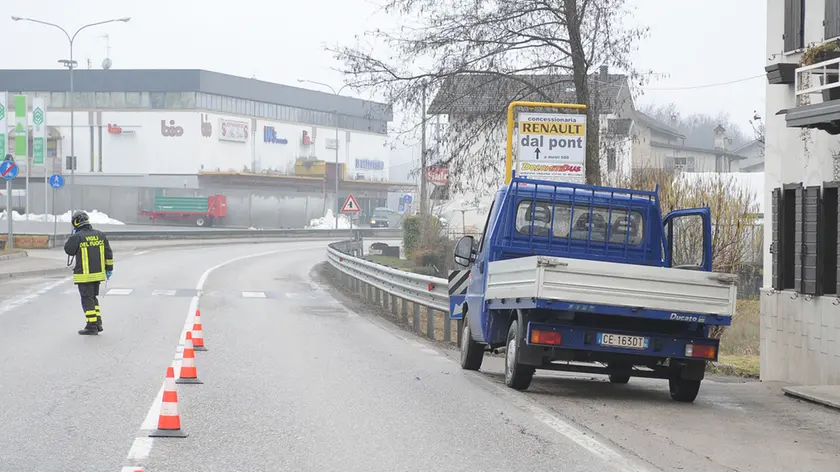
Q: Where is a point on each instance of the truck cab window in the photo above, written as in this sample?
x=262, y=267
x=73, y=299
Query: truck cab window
x=587, y=225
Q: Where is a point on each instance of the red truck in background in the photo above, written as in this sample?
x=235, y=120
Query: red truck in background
x=204, y=211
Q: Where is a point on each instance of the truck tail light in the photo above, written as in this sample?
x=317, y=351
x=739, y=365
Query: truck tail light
x=546, y=337
x=700, y=351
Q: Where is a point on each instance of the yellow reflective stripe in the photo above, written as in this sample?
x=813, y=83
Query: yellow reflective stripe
x=90, y=312
x=102, y=260
x=108, y=261
x=85, y=261
x=84, y=278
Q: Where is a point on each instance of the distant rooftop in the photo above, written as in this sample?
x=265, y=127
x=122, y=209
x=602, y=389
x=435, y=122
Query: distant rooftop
x=190, y=80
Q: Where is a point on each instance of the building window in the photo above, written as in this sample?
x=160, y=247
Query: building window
x=783, y=236
x=828, y=256
x=157, y=99
x=794, y=35
x=611, y=160
x=832, y=19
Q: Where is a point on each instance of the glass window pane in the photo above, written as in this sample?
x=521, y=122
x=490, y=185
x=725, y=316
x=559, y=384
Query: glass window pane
x=157, y=99
x=118, y=99
x=103, y=100
x=145, y=100
x=187, y=99
x=272, y=111
x=216, y=102
x=132, y=99
x=250, y=108
x=57, y=99
x=173, y=100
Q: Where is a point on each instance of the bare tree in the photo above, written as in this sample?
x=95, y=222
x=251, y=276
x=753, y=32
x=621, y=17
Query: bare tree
x=477, y=56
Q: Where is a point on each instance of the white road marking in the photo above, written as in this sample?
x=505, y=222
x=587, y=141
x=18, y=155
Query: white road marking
x=430, y=351
x=253, y=294
x=132, y=469
x=142, y=445
x=70, y=291
x=291, y=295
x=164, y=293
x=119, y=291
x=141, y=252
x=18, y=301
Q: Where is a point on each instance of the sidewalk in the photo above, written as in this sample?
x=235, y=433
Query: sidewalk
x=33, y=263
x=828, y=395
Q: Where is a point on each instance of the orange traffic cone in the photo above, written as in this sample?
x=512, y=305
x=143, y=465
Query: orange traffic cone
x=188, y=374
x=169, y=421
x=197, y=335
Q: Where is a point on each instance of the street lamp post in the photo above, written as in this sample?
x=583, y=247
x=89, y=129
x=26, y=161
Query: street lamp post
x=70, y=64
x=337, y=207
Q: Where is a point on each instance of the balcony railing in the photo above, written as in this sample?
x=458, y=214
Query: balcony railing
x=817, y=79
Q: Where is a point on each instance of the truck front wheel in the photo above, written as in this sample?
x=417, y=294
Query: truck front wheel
x=517, y=376
x=200, y=221
x=683, y=390
x=472, y=353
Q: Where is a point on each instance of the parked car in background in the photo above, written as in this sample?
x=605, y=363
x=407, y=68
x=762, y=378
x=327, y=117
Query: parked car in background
x=381, y=217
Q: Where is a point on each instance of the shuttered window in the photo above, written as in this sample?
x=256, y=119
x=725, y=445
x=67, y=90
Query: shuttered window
x=832, y=19
x=829, y=239
x=809, y=263
x=794, y=35
x=775, y=246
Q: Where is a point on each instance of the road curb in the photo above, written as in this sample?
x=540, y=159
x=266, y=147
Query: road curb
x=812, y=394
x=14, y=255
x=34, y=273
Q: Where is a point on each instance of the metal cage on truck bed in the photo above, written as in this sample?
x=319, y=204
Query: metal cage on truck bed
x=585, y=222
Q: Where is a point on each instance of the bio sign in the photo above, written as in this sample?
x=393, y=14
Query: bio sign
x=270, y=136
x=39, y=131
x=230, y=130
x=552, y=146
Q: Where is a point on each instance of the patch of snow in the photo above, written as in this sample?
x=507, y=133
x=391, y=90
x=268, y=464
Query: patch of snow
x=96, y=218
x=328, y=222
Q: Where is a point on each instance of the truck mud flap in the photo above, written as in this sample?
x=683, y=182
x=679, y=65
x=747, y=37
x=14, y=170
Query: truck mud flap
x=458, y=282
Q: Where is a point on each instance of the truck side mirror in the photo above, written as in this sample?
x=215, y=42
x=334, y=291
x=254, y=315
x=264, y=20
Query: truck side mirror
x=464, y=253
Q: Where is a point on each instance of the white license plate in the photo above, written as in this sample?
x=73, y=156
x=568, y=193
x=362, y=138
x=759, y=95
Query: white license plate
x=623, y=341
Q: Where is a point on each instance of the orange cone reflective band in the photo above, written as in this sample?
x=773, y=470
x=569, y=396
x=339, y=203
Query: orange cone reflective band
x=189, y=374
x=169, y=421
x=197, y=335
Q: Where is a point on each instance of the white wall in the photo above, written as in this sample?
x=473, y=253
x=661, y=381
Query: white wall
x=798, y=333
x=147, y=151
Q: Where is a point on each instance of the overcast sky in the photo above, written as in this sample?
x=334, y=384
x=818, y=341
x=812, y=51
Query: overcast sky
x=696, y=43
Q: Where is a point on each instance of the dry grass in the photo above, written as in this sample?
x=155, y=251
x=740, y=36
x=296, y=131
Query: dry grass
x=739, y=346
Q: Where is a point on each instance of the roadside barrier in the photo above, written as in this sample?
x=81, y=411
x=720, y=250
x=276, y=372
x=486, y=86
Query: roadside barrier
x=396, y=291
x=197, y=334
x=189, y=372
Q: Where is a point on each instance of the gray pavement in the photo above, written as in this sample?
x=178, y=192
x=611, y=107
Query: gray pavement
x=293, y=380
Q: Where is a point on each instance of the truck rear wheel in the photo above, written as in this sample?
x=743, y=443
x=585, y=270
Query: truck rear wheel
x=619, y=379
x=683, y=390
x=472, y=353
x=200, y=222
x=517, y=376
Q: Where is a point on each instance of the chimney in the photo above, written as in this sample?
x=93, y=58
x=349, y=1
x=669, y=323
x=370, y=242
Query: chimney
x=604, y=76
x=720, y=138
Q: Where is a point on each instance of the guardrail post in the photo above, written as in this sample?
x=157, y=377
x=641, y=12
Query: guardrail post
x=385, y=299
x=416, y=318
x=430, y=323
x=447, y=328
x=394, y=305
x=404, y=310
x=378, y=301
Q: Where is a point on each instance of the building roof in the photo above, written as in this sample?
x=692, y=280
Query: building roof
x=747, y=146
x=657, y=125
x=696, y=149
x=491, y=93
x=189, y=80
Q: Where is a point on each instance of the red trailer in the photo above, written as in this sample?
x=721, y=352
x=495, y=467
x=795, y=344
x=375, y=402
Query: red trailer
x=204, y=211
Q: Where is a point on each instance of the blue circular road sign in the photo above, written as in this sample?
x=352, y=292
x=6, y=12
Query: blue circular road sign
x=56, y=181
x=8, y=170
x=407, y=199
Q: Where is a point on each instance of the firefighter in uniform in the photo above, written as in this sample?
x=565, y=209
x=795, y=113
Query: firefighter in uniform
x=94, y=264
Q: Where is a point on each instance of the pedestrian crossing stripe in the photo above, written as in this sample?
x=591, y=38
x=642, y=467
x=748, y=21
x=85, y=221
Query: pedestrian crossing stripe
x=253, y=295
x=164, y=293
x=119, y=291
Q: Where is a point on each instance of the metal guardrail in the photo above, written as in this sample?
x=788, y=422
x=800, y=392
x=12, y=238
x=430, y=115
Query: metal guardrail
x=377, y=283
x=252, y=233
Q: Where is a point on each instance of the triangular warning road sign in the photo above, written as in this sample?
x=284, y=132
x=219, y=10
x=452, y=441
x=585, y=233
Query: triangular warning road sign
x=350, y=205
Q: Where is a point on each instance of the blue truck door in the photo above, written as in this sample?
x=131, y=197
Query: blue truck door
x=688, y=239
x=478, y=272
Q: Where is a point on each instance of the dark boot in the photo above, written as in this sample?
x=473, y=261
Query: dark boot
x=90, y=329
x=99, y=323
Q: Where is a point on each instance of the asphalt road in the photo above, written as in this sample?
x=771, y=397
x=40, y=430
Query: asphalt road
x=295, y=380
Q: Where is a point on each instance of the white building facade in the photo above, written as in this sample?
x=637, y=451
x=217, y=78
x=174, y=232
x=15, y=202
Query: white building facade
x=800, y=306
x=178, y=122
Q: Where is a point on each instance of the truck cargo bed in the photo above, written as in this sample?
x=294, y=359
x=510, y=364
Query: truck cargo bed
x=605, y=283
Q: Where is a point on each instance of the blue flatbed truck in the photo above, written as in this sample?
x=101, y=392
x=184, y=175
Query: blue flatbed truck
x=581, y=278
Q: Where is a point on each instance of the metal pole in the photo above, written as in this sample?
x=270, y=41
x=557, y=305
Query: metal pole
x=11, y=241
x=337, y=208
x=72, y=136
x=423, y=153
x=55, y=219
